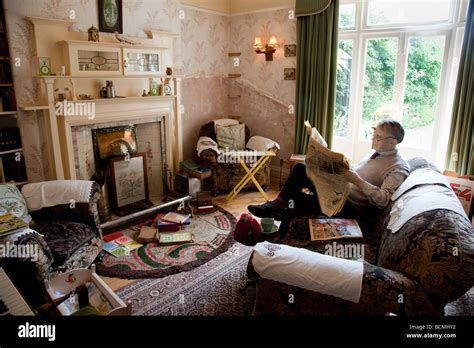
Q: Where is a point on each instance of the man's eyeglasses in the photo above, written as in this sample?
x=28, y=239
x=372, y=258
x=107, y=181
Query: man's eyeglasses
x=378, y=137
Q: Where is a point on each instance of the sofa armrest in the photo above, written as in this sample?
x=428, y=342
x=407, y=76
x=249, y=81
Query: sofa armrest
x=383, y=291
x=85, y=212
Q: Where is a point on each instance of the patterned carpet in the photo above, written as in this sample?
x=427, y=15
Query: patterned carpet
x=212, y=235
x=215, y=288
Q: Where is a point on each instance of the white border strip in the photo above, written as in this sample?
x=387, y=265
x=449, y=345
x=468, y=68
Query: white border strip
x=214, y=12
x=225, y=14
x=270, y=9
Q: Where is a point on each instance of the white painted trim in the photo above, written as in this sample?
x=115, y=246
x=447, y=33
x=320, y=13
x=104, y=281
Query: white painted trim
x=214, y=12
x=269, y=9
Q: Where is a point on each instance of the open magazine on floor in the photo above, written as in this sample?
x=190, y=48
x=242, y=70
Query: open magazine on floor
x=324, y=168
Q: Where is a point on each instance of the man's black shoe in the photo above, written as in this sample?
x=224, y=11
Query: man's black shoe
x=269, y=209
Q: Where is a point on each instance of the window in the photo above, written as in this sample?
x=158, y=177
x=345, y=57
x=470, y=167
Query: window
x=383, y=12
x=397, y=59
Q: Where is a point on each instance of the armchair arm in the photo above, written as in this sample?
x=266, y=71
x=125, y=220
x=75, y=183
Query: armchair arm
x=72, y=205
x=383, y=291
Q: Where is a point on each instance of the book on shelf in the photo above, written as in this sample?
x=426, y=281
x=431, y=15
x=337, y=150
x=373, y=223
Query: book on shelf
x=14, y=168
x=10, y=222
x=175, y=237
x=329, y=229
x=10, y=139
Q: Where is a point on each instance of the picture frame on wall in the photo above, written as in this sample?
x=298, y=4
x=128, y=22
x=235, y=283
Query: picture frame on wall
x=290, y=73
x=290, y=50
x=110, y=16
x=129, y=182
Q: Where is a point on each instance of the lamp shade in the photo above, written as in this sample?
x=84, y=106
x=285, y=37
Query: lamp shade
x=273, y=41
x=258, y=43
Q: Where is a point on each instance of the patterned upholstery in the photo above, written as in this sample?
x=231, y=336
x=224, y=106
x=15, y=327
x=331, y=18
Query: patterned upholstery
x=428, y=263
x=67, y=238
x=226, y=175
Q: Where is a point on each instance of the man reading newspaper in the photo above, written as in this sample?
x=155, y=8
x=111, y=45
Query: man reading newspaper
x=326, y=184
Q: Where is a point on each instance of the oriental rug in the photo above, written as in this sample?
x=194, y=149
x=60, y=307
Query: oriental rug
x=217, y=288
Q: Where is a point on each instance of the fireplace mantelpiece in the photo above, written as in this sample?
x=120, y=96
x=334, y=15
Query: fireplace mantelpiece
x=48, y=34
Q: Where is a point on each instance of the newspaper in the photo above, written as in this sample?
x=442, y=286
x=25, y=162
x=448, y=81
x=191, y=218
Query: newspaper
x=324, y=168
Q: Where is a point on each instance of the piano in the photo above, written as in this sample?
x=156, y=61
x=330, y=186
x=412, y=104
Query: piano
x=11, y=301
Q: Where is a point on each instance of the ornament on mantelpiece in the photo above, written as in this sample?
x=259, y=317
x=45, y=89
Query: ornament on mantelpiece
x=169, y=71
x=93, y=34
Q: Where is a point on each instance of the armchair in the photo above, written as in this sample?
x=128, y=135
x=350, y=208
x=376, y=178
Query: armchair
x=227, y=173
x=64, y=232
x=426, y=264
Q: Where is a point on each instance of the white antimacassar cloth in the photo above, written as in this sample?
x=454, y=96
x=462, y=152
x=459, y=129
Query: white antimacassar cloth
x=423, y=190
x=309, y=270
x=258, y=143
x=50, y=193
x=205, y=143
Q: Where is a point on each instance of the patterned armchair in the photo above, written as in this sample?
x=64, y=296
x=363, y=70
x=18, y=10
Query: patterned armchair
x=416, y=271
x=64, y=236
x=226, y=175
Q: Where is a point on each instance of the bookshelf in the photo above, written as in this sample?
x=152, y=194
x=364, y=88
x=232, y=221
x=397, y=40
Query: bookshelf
x=12, y=163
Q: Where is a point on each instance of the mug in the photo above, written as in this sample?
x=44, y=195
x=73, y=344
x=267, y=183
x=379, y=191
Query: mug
x=267, y=224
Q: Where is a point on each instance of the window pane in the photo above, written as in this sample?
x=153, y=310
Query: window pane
x=425, y=60
x=464, y=5
x=407, y=11
x=380, y=62
x=347, y=16
x=343, y=87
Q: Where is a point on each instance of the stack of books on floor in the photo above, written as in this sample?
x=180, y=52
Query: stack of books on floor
x=204, y=202
x=170, y=228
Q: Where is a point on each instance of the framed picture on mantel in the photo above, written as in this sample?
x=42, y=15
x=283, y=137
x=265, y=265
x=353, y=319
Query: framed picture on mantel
x=110, y=16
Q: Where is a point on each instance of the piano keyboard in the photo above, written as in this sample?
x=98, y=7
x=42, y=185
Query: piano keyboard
x=11, y=302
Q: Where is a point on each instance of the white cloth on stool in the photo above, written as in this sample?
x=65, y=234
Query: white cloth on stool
x=258, y=143
x=50, y=193
x=205, y=143
x=309, y=270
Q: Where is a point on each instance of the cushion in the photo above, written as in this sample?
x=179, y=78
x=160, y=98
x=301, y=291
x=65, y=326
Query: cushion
x=232, y=137
x=12, y=201
x=224, y=122
x=64, y=238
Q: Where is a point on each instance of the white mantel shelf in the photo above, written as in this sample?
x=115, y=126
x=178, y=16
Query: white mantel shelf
x=49, y=33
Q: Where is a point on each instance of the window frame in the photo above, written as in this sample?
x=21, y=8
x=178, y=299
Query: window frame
x=451, y=30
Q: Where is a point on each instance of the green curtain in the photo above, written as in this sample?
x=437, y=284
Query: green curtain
x=460, y=152
x=316, y=72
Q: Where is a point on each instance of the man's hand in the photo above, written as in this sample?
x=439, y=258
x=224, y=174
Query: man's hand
x=352, y=177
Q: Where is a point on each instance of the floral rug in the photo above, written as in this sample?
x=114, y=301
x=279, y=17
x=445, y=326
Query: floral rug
x=217, y=288
x=212, y=235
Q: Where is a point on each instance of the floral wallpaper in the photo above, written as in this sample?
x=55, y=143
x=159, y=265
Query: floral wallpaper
x=201, y=54
x=266, y=76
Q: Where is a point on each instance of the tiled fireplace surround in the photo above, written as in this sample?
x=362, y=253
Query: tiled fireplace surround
x=149, y=135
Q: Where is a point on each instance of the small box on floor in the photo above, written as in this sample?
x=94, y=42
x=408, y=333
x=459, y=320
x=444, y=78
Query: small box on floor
x=186, y=184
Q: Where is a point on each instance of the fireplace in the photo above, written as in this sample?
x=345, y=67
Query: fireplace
x=102, y=150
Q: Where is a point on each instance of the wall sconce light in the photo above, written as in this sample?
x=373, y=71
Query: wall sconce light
x=267, y=49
